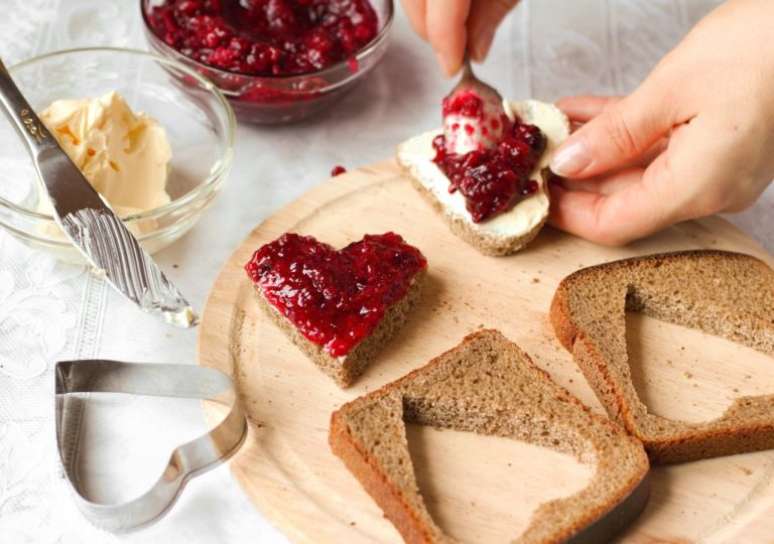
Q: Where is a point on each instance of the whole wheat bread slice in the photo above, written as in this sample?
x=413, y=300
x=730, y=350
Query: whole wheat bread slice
x=722, y=293
x=486, y=385
x=415, y=158
x=345, y=370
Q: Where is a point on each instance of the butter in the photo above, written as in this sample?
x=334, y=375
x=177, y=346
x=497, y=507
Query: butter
x=125, y=156
x=526, y=214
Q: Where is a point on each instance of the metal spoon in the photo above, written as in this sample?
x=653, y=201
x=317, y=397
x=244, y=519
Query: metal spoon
x=469, y=81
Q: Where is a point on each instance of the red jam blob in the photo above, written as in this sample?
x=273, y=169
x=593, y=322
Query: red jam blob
x=335, y=298
x=265, y=37
x=338, y=170
x=466, y=103
x=493, y=180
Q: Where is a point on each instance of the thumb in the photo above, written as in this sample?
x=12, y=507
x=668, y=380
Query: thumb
x=484, y=18
x=622, y=132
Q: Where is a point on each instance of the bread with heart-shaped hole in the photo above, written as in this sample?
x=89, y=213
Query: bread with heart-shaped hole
x=488, y=385
x=722, y=293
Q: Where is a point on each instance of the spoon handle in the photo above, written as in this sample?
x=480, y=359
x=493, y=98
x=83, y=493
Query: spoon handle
x=22, y=116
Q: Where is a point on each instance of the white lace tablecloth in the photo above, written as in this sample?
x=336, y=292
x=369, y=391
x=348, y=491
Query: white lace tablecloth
x=50, y=311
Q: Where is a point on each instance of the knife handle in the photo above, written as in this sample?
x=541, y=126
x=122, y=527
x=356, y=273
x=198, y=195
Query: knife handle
x=22, y=116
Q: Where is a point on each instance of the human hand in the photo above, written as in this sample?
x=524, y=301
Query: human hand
x=452, y=25
x=696, y=138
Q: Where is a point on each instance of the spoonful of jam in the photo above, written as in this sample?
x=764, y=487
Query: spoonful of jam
x=473, y=115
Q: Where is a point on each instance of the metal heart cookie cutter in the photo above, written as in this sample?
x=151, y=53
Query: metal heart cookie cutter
x=186, y=461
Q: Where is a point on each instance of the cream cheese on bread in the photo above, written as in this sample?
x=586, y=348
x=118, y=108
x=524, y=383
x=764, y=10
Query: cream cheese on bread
x=417, y=154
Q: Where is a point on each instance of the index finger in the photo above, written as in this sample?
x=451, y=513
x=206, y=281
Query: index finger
x=416, y=11
x=445, y=24
x=644, y=204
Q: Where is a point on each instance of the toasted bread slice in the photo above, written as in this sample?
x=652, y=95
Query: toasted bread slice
x=490, y=386
x=726, y=294
x=507, y=232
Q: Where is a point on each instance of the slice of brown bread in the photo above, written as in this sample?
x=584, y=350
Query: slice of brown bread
x=486, y=385
x=722, y=293
x=509, y=231
x=345, y=370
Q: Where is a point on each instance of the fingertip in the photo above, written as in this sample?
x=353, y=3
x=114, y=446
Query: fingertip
x=449, y=65
x=445, y=22
x=571, y=158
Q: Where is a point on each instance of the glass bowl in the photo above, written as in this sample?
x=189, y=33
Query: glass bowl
x=285, y=99
x=198, y=120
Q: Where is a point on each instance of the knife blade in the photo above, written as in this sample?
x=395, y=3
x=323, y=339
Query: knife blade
x=89, y=222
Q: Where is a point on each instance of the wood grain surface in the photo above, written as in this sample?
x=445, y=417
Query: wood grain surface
x=480, y=489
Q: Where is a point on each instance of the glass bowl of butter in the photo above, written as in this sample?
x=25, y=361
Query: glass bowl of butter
x=151, y=135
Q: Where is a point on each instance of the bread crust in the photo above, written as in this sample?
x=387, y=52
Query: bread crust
x=744, y=427
x=373, y=478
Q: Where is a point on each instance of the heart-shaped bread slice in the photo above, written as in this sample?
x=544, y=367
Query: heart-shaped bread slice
x=506, y=232
x=727, y=294
x=338, y=306
x=490, y=386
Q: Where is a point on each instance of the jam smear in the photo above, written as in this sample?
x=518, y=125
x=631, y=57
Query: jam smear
x=492, y=180
x=265, y=37
x=335, y=298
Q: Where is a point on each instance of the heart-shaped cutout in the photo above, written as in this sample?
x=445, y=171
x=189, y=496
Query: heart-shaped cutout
x=74, y=378
x=489, y=386
x=684, y=374
x=338, y=305
x=722, y=293
x=512, y=481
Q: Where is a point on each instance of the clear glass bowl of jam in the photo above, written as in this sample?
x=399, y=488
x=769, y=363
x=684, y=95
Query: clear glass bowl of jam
x=277, y=61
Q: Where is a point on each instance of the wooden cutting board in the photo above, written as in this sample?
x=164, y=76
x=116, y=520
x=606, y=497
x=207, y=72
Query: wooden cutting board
x=480, y=489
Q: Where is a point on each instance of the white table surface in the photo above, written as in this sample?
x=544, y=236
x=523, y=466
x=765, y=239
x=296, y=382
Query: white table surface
x=49, y=311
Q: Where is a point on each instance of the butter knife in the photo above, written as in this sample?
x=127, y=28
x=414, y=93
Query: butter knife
x=89, y=222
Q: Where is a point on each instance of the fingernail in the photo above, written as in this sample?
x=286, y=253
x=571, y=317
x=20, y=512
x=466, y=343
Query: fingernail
x=482, y=44
x=446, y=66
x=570, y=159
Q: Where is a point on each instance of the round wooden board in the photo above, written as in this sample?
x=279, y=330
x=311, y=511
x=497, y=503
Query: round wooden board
x=480, y=489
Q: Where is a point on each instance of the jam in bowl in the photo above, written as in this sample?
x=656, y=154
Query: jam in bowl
x=277, y=61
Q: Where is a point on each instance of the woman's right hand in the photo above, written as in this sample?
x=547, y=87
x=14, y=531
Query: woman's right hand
x=451, y=26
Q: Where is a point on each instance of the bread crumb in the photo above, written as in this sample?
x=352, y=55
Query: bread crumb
x=688, y=375
x=535, y=280
x=746, y=471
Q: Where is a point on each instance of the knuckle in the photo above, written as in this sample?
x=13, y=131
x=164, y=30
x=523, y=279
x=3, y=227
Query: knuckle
x=604, y=230
x=711, y=202
x=620, y=132
x=611, y=239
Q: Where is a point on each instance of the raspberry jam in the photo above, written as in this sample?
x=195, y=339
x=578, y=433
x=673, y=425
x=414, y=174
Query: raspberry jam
x=265, y=37
x=493, y=179
x=466, y=103
x=338, y=170
x=335, y=298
